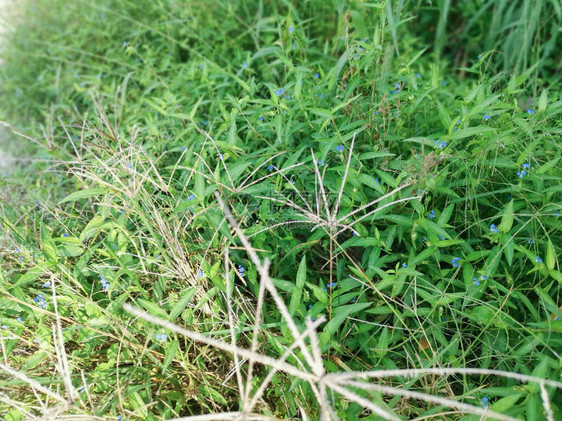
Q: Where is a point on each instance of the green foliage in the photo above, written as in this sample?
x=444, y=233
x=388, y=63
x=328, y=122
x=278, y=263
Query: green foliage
x=448, y=243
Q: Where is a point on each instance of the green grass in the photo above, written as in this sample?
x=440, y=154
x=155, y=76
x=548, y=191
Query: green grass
x=368, y=151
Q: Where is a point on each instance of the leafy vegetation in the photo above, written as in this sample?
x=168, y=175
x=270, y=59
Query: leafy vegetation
x=396, y=163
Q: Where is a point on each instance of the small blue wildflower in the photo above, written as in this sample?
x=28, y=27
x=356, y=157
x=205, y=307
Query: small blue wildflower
x=270, y=168
x=46, y=284
x=418, y=75
x=458, y=122
x=443, y=319
x=531, y=111
x=21, y=258
x=190, y=197
x=355, y=234
x=324, y=289
x=19, y=319
x=201, y=66
x=354, y=299
x=525, y=165
x=441, y=237
x=321, y=162
x=241, y=270
x=404, y=265
x=119, y=418
x=200, y=273
x=455, y=261
x=313, y=319
x=4, y=327
x=65, y=235
x=340, y=148
x=479, y=57
x=397, y=85
x=530, y=241
x=245, y=64
x=161, y=337
x=556, y=213
x=476, y=282
x=455, y=129
x=260, y=118
x=378, y=181
x=124, y=43
x=424, y=239
x=444, y=83
x=291, y=29
x=393, y=92
x=521, y=174
x=294, y=46
x=183, y=148
x=322, y=95
x=432, y=214
x=441, y=144
x=484, y=402
x=493, y=228
x=538, y=259
x=316, y=75
x=483, y=277
x=221, y=156
x=205, y=122
x=279, y=91
x=486, y=117
x=310, y=306
x=557, y=318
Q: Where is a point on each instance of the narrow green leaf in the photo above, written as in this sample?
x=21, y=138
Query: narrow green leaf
x=507, y=217
x=182, y=303
x=171, y=351
x=297, y=293
x=550, y=259
x=82, y=194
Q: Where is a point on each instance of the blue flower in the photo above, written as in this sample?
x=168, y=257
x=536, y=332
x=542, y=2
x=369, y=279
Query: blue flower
x=316, y=75
x=393, y=92
x=538, y=259
x=493, y=228
x=458, y=122
x=241, y=270
x=245, y=64
x=443, y=319
x=378, y=181
x=418, y=75
x=321, y=162
x=65, y=235
x=444, y=83
x=397, y=85
x=476, y=282
x=221, y=156
x=531, y=111
x=270, y=168
x=483, y=277
x=404, y=265
x=260, y=118
x=432, y=214
x=354, y=299
x=355, y=233
x=424, y=239
x=279, y=91
x=19, y=319
x=183, y=148
x=21, y=258
x=484, y=402
x=161, y=337
x=340, y=148
x=525, y=165
x=455, y=261
x=190, y=197
x=310, y=306
x=291, y=29
x=46, y=284
x=556, y=213
x=440, y=145
x=486, y=117
x=124, y=43
x=521, y=174
x=200, y=273
x=479, y=57
x=4, y=327
x=294, y=46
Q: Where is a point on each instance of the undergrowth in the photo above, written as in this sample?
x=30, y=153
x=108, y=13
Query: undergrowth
x=393, y=174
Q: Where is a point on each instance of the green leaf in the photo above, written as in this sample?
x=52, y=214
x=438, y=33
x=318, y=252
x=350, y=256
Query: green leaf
x=182, y=303
x=82, y=194
x=543, y=100
x=507, y=217
x=505, y=403
x=171, y=351
x=153, y=308
x=550, y=259
x=342, y=313
x=297, y=293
